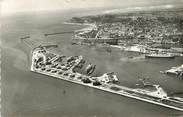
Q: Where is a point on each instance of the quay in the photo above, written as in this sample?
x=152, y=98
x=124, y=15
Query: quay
x=176, y=71
x=64, y=68
x=122, y=93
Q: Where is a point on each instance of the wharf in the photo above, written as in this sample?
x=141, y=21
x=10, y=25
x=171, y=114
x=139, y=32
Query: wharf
x=121, y=92
x=158, y=97
x=176, y=70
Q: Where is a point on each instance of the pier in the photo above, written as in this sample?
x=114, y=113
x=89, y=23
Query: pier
x=56, y=33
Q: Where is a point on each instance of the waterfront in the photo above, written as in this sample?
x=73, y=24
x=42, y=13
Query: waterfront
x=27, y=93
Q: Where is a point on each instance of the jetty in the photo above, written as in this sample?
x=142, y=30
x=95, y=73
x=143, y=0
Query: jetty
x=56, y=33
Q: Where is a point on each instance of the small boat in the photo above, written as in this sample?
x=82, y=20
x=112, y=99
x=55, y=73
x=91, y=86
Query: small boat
x=159, y=55
x=25, y=37
x=90, y=69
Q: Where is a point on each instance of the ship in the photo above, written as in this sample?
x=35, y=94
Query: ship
x=90, y=69
x=159, y=55
x=63, y=69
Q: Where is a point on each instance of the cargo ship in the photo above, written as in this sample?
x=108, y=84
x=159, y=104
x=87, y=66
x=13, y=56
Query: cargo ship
x=159, y=55
x=65, y=68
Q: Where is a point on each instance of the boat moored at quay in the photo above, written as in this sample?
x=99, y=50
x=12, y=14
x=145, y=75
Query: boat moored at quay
x=66, y=68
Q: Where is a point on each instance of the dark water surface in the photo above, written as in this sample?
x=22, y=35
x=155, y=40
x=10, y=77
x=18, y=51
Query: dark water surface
x=27, y=94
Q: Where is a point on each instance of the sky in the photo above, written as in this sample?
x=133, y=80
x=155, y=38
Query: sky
x=15, y=6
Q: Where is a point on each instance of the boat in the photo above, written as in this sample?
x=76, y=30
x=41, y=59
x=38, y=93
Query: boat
x=26, y=37
x=90, y=69
x=159, y=55
x=105, y=82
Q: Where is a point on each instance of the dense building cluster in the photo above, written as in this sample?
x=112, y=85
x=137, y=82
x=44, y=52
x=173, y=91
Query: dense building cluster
x=158, y=27
x=140, y=28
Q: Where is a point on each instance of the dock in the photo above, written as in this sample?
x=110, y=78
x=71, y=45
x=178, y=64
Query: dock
x=176, y=70
x=105, y=82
